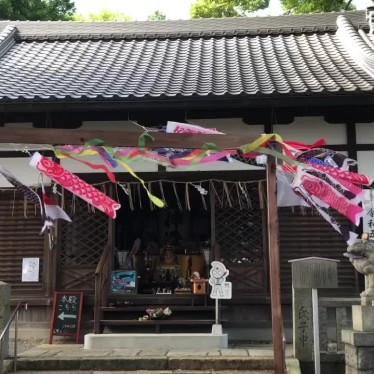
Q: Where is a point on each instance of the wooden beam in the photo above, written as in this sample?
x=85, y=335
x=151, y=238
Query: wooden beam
x=20, y=154
x=120, y=138
x=274, y=266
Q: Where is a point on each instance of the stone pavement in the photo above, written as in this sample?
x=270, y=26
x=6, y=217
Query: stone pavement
x=76, y=359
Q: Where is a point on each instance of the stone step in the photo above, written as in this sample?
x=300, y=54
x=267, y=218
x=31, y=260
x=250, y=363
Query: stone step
x=169, y=364
x=152, y=372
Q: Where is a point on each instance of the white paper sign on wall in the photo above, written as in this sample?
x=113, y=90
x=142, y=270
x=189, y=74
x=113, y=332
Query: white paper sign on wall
x=30, y=269
x=220, y=288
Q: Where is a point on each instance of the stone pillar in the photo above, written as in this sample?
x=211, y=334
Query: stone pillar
x=302, y=324
x=367, y=296
x=359, y=342
x=308, y=274
x=4, y=314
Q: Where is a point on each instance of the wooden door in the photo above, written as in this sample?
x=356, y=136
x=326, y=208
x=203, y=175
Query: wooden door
x=81, y=245
x=238, y=233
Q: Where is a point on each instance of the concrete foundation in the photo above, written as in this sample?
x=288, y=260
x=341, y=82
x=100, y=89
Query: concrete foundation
x=159, y=341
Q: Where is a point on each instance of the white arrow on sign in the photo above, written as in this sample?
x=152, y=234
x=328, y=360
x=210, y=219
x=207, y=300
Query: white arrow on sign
x=63, y=316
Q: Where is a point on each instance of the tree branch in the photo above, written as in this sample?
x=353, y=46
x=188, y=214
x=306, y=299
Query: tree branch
x=348, y=4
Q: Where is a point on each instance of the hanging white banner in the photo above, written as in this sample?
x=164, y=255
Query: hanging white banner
x=368, y=219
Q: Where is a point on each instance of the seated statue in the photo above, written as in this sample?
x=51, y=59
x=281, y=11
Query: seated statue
x=168, y=256
x=168, y=269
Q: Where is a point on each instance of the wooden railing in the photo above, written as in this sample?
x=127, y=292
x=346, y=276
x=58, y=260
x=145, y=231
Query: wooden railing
x=5, y=335
x=101, y=287
x=335, y=314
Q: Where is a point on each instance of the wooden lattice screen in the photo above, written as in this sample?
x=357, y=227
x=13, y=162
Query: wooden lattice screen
x=239, y=234
x=81, y=244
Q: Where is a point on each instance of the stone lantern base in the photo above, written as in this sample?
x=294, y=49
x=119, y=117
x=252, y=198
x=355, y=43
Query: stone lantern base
x=359, y=342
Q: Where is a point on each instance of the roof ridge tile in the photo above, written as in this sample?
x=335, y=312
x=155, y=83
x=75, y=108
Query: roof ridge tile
x=355, y=45
x=7, y=38
x=324, y=22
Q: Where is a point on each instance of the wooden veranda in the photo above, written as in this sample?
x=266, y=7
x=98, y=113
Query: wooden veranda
x=195, y=141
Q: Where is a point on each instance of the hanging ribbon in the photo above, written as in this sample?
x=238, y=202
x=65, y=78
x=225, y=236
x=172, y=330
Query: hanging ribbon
x=260, y=142
x=143, y=139
x=155, y=200
x=110, y=175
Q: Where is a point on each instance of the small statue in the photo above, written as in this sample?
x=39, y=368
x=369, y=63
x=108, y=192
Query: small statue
x=168, y=257
x=168, y=270
x=361, y=255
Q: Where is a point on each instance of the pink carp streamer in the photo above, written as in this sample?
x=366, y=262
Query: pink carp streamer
x=75, y=185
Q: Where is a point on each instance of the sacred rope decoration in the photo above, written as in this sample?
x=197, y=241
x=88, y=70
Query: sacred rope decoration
x=320, y=177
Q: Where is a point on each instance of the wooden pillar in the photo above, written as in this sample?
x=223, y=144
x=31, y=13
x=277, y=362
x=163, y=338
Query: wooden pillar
x=274, y=266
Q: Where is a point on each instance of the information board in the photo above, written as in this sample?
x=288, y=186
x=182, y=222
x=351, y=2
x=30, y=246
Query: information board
x=66, y=315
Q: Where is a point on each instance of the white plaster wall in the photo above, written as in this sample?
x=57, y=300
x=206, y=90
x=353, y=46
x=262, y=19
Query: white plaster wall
x=20, y=168
x=78, y=167
x=365, y=133
x=310, y=129
x=230, y=125
x=366, y=163
x=216, y=166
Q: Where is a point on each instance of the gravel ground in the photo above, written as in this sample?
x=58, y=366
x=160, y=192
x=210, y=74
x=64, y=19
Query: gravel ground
x=25, y=344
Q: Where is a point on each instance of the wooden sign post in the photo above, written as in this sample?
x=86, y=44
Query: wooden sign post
x=66, y=315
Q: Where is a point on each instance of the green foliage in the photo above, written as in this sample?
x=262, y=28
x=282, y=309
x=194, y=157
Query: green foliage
x=226, y=8
x=238, y=8
x=157, y=16
x=103, y=15
x=316, y=6
x=36, y=10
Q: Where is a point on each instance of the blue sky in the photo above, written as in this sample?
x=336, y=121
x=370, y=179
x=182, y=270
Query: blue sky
x=173, y=9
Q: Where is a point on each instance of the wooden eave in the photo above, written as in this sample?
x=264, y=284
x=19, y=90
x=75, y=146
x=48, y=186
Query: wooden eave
x=120, y=138
x=192, y=103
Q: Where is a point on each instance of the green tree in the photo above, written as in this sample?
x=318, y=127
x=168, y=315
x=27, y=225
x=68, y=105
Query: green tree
x=157, y=16
x=239, y=8
x=36, y=10
x=316, y=6
x=226, y=8
x=103, y=15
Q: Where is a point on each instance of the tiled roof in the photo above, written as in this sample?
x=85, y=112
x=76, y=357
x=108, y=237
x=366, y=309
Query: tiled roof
x=286, y=55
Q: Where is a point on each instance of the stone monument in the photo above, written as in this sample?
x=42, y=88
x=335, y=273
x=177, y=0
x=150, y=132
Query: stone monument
x=359, y=342
x=308, y=275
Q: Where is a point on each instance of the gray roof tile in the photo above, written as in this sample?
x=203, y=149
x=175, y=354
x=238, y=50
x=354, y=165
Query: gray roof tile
x=120, y=67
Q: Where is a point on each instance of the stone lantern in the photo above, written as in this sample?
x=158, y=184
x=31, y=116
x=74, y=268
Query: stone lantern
x=361, y=255
x=359, y=341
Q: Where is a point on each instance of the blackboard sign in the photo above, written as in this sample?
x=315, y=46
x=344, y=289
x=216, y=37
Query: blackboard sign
x=66, y=315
